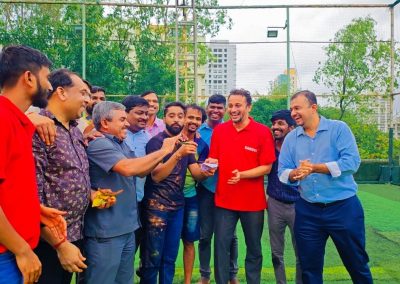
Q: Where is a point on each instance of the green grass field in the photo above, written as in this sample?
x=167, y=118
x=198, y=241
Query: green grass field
x=382, y=216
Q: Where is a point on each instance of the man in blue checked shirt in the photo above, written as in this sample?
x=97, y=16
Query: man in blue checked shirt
x=321, y=157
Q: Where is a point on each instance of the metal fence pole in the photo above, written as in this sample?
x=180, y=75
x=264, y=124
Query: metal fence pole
x=83, y=41
x=288, y=55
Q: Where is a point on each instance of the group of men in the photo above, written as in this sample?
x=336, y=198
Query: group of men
x=108, y=178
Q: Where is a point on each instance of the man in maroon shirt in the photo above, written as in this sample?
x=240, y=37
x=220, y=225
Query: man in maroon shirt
x=244, y=150
x=24, y=81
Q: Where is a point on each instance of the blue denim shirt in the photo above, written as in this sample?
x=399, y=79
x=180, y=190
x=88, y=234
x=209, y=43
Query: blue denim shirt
x=137, y=142
x=335, y=146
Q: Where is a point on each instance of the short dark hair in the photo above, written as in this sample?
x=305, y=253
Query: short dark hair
x=17, y=59
x=87, y=84
x=217, y=99
x=61, y=78
x=241, y=92
x=95, y=89
x=174, y=104
x=310, y=96
x=132, y=101
x=200, y=109
x=145, y=93
x=285, y=115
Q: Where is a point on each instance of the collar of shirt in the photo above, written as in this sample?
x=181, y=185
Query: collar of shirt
x=20, y=115
x=113, y=138
x=322, y=126
x=157, y=127
x=138, y=133
x=49, y=114
x=205, y=125
x=248, y=126
x=157, y=123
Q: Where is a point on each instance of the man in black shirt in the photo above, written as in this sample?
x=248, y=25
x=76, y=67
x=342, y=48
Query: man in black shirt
x=164, y=200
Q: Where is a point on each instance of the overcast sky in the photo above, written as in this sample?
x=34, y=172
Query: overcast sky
x=258, y=64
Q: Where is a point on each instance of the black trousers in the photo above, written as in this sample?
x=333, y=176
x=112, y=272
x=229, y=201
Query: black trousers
x=52, y=271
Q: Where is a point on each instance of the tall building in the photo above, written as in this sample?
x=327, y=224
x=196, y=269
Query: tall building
x=293, y=79
x=380, y=114
x=220, y=75
x=282, y=80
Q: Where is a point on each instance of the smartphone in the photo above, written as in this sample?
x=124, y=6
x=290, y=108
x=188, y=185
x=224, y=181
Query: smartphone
x=208, y=166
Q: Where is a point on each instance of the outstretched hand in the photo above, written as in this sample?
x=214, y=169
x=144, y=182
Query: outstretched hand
x=54, y=220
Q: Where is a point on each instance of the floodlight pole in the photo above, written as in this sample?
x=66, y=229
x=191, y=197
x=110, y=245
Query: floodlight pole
x=288, y=56
x=287, y=27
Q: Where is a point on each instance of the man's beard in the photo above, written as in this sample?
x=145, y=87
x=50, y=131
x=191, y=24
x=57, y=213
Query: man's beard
x=40, y=98
x=174, y=130
x=89, y=109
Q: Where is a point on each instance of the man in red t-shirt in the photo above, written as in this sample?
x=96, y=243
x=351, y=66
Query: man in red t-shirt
x=244, y=150
x=23, y=81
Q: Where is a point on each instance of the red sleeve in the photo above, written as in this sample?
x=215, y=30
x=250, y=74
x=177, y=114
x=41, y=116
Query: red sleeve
x=214, y=148
x=5, y=130
x=267, y=155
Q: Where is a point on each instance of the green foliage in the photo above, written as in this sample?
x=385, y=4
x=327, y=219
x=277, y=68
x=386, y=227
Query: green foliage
x=280, y=90
x=372, y=143
x=128, y=50
x=357, y=64
x=264, y=107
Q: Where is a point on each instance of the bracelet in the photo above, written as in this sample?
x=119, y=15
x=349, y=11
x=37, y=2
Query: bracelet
x=59, y=244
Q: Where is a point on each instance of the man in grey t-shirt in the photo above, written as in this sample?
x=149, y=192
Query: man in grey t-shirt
x=109, y=233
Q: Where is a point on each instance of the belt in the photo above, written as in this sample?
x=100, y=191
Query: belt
x=324, y=205
x=285, y=202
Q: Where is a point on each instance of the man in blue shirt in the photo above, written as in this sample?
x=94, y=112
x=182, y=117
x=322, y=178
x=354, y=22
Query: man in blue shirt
x=205, y=193
x=137, y=109
x=281, y=200
x=109, y=233
x=321, y=156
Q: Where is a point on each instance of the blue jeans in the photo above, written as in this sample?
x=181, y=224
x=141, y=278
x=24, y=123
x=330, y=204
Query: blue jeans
x=9, y=271
x=191, y=226
x=343, y=221
x=162, y=233
x=110, y=260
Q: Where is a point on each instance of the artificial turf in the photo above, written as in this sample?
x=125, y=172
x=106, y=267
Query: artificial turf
x=382, y=217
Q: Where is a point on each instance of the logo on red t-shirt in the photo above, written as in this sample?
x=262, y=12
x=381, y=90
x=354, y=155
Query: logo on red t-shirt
x=248, y=148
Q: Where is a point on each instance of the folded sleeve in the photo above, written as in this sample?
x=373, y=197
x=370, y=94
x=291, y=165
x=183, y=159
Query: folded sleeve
x=103, y=153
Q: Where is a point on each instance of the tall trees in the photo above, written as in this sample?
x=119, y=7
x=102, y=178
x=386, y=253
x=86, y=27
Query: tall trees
x=357, y=63
x=128, y=49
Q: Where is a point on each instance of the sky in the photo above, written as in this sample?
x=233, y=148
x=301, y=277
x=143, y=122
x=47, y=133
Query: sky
x=260, y=63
